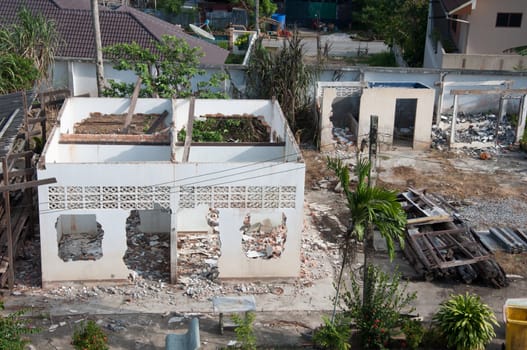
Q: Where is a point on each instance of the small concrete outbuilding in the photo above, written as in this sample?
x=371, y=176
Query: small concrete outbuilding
x=405, y=111
x=245, y=199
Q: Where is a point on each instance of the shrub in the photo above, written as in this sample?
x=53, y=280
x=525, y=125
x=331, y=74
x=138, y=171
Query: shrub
x=414, y=331
x=335, y=335
x=382, y=310
x=89, y=336
x=12, y=330
x=466, y=322
x=244, y=331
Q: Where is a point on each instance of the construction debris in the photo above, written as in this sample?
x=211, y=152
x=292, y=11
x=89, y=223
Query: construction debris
x=439, y=244
x=474, y=129
x=510, y=240
x=98, y=123
x=82, y=245
x=262, y=239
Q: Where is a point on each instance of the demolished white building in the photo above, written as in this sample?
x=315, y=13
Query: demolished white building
x=245, y=198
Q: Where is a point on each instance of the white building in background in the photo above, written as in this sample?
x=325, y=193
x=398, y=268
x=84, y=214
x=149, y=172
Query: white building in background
x=222, y=190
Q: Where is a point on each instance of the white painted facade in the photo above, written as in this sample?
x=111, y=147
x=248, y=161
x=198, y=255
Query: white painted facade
x=107, y=181
x=481, y=44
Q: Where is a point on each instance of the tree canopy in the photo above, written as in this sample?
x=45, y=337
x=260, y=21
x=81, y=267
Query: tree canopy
x=166, y=71
x=401, y=22
x=27, y=50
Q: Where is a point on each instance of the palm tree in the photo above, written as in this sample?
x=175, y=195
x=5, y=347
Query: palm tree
x=370, y=207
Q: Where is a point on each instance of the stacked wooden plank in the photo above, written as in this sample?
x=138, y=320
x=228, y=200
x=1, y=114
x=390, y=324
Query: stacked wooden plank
x=440, y=245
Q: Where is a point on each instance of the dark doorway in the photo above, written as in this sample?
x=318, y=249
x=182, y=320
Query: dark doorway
x=404, y=122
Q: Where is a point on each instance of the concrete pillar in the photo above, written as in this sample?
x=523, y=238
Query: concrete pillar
x=174, y=200
x=499, y=117
x=326, y=126
x=522, y=116
x=453, y=126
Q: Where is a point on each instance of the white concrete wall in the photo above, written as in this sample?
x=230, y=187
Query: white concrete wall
x=234, y=153
x=78, y=108
x=233, y=262
x=101, y=181
x=71, y=224
x=381, y=102
x=484, y=37
x=508, y=62
x=83, y=74
x=79, y=177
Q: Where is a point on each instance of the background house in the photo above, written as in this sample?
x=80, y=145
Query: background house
x=74, y=62
x=470, y=34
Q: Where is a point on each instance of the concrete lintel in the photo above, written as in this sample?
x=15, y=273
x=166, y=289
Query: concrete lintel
x=143, y=139
x=489, y=92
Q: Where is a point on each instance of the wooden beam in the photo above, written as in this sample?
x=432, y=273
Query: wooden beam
x=28, y=184
x=8, y=231
x=21, y=172
x=190, y=126
x=157, y=122
x=133, y=102
x=489, y=92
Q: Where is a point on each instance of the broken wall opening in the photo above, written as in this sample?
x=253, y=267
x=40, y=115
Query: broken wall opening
x=199, y=251
x=262, y=239
x=404, y=121
x=148, y=244
x=79, y=237
x=345, y=117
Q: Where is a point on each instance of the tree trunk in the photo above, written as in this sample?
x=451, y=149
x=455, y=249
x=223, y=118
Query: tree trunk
x=368, y=258
x=99, y=68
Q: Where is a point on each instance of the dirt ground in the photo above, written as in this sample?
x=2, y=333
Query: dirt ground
x=283, y=318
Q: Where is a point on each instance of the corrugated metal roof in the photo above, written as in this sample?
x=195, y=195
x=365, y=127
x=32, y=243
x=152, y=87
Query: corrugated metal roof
x=125, y=25
x=10, y=123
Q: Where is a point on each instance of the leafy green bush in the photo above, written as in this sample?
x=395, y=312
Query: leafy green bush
x=382, y=309
x=244, y=331
x=242, y=41
x=335, y=335
x=466, y=322
x=89, y=336
x=414, y=331
x=12, y=330
x=382, y=59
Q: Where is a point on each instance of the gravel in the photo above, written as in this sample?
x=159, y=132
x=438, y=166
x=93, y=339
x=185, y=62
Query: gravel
x=500, y=212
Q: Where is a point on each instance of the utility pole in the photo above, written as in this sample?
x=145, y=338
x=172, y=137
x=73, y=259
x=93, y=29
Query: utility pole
x=374, y=129
x=257, y=17
x=99, y=68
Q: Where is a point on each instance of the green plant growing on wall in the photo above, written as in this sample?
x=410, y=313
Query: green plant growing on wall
x=13, y=328
x=244, y=330
x=89, y=336
x=334, y=335
x=465, y=322
x=414, y=332
x=166, y=71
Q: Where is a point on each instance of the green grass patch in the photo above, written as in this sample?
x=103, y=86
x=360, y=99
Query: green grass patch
x=234, y=59
x=382, y=59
